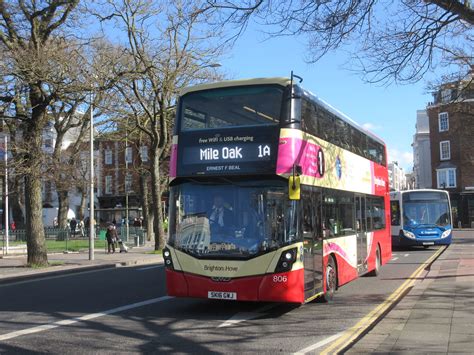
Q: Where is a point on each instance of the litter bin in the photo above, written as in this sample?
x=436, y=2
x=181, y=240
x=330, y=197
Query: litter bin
x=137, y=241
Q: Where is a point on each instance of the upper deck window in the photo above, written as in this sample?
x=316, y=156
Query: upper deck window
x=231, y=107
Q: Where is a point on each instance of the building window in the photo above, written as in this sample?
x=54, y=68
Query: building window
x=128, y=154
x=144, y=153
x=108, y=156
x=445, y=95
x=48, y=143
x=128, y=183
x=446, y=178
x=443, y=122
x=444, y=150
x=108, y=185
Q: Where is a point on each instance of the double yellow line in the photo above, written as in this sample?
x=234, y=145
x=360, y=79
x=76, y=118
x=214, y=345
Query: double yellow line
x=365, y=323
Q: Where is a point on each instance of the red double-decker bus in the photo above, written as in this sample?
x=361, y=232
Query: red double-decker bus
x=274, y=195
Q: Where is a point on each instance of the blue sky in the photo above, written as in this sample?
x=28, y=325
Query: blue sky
x=389, y=112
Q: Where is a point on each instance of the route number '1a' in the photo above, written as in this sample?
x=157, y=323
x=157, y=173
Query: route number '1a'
x=263, y=151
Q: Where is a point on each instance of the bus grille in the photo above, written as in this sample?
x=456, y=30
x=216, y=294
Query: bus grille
x=221, y=279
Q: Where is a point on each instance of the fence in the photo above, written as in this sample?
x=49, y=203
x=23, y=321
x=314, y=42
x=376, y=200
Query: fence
x=136, y=235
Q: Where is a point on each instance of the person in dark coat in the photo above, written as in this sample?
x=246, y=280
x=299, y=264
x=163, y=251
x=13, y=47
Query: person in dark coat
x=111, y=236
x=72, y=226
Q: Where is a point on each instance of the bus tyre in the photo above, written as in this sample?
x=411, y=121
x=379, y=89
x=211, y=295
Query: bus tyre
x=378, y=263
x=331, y=280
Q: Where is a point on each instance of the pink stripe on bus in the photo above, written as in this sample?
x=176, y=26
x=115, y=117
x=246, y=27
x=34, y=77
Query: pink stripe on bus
x=300, y=152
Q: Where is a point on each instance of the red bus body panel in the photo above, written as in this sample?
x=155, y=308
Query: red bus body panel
x=253, y=288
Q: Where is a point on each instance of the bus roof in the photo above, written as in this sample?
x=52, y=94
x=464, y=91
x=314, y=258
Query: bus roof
x=230, y=83
x=283, y=82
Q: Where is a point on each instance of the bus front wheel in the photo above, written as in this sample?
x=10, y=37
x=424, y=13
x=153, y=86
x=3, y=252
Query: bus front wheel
x=331, y=280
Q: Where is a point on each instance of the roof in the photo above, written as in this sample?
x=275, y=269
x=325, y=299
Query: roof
x=243, y=82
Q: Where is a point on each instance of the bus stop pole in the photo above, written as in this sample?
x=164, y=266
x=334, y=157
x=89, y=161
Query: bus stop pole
x=91, y=182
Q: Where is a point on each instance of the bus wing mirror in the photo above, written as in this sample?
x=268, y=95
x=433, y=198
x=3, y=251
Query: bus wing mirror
x=294, y=188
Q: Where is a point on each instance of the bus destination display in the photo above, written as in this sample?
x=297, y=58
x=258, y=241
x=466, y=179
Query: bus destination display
x=208, y=154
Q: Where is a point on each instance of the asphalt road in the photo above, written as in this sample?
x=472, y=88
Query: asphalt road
x=126, y=310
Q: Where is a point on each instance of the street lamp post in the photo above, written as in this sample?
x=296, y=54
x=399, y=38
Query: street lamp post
x=127, y=182
x=91, y=182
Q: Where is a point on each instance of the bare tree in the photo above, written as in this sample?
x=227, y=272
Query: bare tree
x=33, y=48
x=390, y=41
x=169, y=48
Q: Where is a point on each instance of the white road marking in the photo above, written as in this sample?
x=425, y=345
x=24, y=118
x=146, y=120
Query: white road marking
x=150, y=267
x=393, y=259
x=405, y=255
x=319, y=344
x=244, y=316
x=60, y=323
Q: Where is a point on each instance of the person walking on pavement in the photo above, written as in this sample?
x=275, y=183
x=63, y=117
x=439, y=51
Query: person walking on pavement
x=111, y=236
x=81, y=228
x=72, y=226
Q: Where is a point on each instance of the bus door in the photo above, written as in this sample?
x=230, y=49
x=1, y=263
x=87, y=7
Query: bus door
x=312, y=242
x=361, y=228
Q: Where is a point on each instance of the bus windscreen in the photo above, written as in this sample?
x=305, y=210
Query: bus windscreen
x=232, y=107
x=426, y=208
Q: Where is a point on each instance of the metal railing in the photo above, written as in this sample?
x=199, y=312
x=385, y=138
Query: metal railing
x=60, y=234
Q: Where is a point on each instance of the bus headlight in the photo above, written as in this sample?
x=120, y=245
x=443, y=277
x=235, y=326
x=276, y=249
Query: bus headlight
x=446, y=233
x=287, y=258
x=409, y=234
x=167, y=258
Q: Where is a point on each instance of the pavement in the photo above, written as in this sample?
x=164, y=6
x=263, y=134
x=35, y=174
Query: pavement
x=437, y=314
x=13, y=268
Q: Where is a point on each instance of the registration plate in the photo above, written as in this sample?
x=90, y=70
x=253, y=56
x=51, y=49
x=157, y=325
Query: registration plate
x=218, y=295
x=428, y=243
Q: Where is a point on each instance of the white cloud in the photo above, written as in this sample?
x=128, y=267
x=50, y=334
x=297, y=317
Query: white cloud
x=404, y=159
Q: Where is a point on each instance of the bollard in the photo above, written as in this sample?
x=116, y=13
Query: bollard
x=137, y=241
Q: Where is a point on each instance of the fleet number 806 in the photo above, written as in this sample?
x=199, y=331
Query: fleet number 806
x=279, y=278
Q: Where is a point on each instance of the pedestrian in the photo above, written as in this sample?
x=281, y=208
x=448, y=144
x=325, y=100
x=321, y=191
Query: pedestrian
x=81, y=228
x=137, y=222
x=111, y=236
x=13, y=226
x=72, y=226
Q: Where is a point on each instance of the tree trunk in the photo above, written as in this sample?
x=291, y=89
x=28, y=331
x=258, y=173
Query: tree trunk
x=32, y=158
x=18, y=203
x=63, y=208
x=156, y=201
x=82, y=207
x=147, y=220
x=35, y=239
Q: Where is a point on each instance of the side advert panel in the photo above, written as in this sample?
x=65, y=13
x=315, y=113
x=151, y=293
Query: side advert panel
x=226, y=152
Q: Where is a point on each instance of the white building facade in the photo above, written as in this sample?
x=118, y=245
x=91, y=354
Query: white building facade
x=396, y=176
x=422, y=152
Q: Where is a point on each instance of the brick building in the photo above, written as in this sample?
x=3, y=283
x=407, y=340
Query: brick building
x=451, y=120
x=117, y=174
